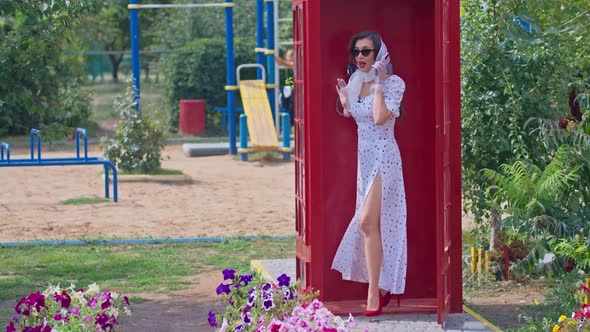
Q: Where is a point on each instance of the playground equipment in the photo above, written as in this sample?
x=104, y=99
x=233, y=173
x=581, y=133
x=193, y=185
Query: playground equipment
x=7, y=161
x=272, y=40
x=257, y=120
x=229, y=60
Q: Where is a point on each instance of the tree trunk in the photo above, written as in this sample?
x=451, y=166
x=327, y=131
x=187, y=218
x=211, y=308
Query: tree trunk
x=146, y=68
x=115, y=62
x=496, y=227
x=496, y=230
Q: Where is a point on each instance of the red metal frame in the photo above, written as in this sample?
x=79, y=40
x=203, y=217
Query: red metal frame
x=428, y=135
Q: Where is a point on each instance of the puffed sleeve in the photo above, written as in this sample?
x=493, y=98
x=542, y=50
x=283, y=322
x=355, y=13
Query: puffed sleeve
x=393, y=92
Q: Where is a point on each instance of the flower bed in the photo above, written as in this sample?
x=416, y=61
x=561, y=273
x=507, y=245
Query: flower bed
x=255, y=304
x=67, y=309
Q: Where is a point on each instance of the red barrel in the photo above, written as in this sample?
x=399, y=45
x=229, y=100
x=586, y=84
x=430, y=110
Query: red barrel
x=191, y=119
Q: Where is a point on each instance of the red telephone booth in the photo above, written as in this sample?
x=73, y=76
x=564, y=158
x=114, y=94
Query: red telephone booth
x=423, y=41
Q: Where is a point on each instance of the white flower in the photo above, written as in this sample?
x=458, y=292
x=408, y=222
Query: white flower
x=92, y=289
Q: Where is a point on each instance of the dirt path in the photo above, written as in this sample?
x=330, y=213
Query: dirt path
x=227, y=198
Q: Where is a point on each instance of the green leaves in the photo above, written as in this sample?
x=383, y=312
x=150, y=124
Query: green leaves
x=510, y=76
x=137, y=144
x=38, y=80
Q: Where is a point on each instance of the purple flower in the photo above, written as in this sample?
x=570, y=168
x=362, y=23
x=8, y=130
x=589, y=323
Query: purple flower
x=25, y=304
x=266, y=287
x=284, y=280
x=57, y=317
x=107, y=301
x=229, y=274
x=88, y=319
x=75, y=311
x=288, y=294
x=251, y=291
x=222, y=288
x=251, y=300
x=92, y=302
x=247, y=318
x=239, y=328
x=126, y=299
x=246, y=278
x=64, y=299
x=10, y=327
x=268, y=304
x=212, y=320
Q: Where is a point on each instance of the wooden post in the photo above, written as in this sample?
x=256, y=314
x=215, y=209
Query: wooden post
x=488, y=258
x=473, y=260
x=587, y=297
x=479, y=261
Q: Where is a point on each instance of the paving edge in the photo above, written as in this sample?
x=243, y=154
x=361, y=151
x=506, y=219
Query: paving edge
x=481, y=319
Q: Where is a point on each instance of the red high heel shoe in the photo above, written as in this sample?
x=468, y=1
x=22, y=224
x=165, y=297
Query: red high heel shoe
x=371, y=313
x=384, y=299
x=376, y=312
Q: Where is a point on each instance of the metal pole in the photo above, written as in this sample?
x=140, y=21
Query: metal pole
x=259, y=36
x=134, y=22
x=277, y=76
x=270, y=59
x=230, y=76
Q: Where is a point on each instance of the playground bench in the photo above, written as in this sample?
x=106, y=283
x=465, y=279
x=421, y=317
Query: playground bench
x=7, y=161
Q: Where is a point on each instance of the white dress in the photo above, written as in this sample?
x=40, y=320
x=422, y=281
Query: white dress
x=378, y=152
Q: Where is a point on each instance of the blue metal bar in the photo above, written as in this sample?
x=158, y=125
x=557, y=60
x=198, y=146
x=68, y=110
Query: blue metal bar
x=259, y=35
x=106, y=181
x=243, y=137
x=73, y=162
x=35, y=132
x=19, y=160
x=230, y=76
x=286, y=124
x=4, y=145
x=134, y=28
x=270, y=58
x=142, y=241
x=83, y=132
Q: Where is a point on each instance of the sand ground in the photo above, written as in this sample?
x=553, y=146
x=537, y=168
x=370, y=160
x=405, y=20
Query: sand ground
x=227, y=198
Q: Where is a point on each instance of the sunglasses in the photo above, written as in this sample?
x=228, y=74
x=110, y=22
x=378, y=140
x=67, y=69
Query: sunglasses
x=364, y=52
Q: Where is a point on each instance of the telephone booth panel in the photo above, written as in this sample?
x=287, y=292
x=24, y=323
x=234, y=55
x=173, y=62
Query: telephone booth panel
x=422, y=39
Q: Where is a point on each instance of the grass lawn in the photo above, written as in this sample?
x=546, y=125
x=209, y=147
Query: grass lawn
x=128, y=269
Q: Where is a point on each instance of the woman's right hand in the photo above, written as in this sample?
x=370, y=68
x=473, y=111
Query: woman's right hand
x=340, y=88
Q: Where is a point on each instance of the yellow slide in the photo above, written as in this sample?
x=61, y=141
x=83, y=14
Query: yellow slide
x=261, y=127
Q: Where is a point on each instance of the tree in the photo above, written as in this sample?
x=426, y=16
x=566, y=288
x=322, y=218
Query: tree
x=517, y=62
x=39, y=80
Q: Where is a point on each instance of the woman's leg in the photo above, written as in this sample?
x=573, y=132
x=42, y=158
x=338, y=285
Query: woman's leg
x=370, y=226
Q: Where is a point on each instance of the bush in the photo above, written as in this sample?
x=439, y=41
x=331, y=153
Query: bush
x=39, y=82
x=137, y=145
x=199, y=73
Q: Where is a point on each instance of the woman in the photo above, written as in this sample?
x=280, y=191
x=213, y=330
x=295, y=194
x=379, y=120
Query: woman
x=373, y=249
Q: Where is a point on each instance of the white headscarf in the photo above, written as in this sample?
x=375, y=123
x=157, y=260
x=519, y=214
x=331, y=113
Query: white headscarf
x=356, y=80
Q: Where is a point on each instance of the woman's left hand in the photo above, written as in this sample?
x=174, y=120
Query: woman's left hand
x=381, y=69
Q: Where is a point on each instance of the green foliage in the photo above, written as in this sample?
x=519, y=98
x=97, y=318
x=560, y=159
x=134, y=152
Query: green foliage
x=537, y=200
x=137, y=144
x=39, y=81
x=199, y=73
x=509, y=76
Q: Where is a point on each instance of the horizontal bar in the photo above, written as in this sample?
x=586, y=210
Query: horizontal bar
x=186, y=5
x=55, y=163
x=290, y=42
x=123, y=52
x=29, y=160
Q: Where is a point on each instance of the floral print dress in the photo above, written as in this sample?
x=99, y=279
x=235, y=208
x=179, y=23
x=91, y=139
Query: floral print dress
x=378, y=152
